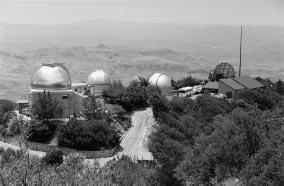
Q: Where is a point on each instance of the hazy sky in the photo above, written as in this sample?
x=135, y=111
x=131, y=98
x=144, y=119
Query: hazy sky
x=263, y=12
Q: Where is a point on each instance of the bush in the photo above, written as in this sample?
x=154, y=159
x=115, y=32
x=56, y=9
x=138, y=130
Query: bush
x=66, y=151
x=17, y=126
x=40, y=131
x=7, y=105
x=279, y=87
x=88, y=135
x=209, y=107
x=75, y=160
x=262, y=100
x=10, y=155
x=159, y=104
x=53, y=158
x=116, y=110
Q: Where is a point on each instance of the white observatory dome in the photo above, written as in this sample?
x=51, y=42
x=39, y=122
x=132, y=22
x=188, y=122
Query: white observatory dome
x=160, y=80
x=99, y=77
x=51, y=76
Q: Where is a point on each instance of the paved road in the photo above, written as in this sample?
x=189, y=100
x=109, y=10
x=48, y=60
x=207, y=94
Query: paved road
x=132, y=142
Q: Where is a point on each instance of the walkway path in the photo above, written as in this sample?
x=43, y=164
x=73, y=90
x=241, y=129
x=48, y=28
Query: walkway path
x=14, y=147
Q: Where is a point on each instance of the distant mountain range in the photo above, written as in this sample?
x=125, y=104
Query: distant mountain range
x=126, y=50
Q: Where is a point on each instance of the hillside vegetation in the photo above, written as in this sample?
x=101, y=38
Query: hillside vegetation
x=212, y=140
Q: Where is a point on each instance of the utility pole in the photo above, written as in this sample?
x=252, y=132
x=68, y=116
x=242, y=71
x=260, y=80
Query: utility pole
x=241, y=40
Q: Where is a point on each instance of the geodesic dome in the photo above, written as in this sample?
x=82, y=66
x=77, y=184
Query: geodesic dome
x=223, y=70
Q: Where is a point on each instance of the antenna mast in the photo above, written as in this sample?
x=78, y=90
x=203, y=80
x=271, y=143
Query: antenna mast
x=241, y=40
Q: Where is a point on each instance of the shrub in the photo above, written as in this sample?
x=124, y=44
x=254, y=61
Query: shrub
x=209, y=107
x=10, y=155
x=7, y=105
x=40, y=131
x=279, y=87
x=182, y=105
x=261, y=99
x=159, y=104
x=116, y=110
x=75, y=160
x=17, y=126
x=88, y=135
x=54, y=157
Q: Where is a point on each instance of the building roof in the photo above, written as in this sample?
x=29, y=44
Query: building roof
x=22, y=101
x=211, y=85
x=79, y=85
x=231, y=83
x=248, y=82
x=188, y=88
x=51, y=76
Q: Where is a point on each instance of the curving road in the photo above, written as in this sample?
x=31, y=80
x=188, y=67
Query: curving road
x=132, y=142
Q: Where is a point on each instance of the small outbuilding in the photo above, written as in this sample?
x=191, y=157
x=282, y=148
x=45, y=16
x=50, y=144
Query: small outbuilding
x=23, y=106
x=230, y=87
x=211, y=86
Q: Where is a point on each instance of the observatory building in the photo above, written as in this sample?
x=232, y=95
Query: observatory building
x=98, y=81
x=162, y=81
x=55, y=79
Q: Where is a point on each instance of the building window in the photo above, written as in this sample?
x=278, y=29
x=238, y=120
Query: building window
x=229, y=94
x=65, y=97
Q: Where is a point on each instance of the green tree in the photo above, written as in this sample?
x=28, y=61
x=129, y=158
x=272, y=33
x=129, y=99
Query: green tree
x=46, y=108
x=93, y=108
x=244, y=145
x=6, y=107
x=262, y=100
x=40, y=131
x=144, y=82
x=88, y=135
x=279, y=87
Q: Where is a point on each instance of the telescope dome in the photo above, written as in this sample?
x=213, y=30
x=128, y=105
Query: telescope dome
x=160, y=80
x=51, y=76
x=99, y=77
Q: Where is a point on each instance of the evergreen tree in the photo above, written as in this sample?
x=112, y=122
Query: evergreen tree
x=279, y=87
x=46, y=108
